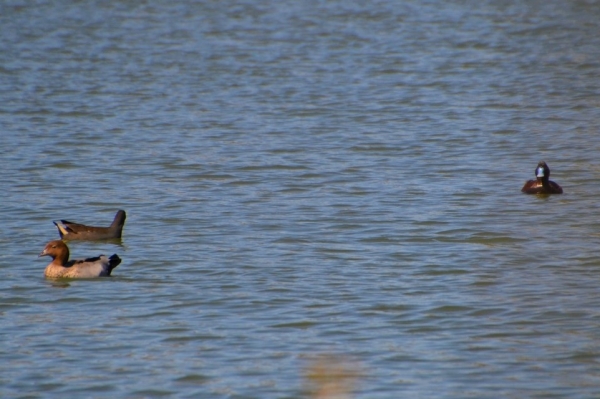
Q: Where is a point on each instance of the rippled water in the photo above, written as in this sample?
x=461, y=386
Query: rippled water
x=302, y=178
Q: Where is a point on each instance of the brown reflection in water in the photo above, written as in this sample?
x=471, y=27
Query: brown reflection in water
x=331, y=377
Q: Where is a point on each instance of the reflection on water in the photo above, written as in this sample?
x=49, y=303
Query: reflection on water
x=331, y=377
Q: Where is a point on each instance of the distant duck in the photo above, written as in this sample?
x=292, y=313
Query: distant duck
x=542, y=184
x=62, y=267
x=75, y=231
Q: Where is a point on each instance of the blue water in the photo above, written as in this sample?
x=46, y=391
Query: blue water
x=303, y=180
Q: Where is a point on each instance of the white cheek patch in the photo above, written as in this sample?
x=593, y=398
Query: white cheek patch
x=539, y=172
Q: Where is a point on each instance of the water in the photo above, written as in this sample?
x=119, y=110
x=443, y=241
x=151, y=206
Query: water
x=302, y=179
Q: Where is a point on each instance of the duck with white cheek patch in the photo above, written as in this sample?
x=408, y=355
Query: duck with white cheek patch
x=542, y=183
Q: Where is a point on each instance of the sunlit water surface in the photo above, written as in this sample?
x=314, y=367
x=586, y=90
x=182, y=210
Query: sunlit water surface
x=302, y=178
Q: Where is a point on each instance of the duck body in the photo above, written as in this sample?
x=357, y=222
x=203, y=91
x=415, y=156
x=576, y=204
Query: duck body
x=76, y=231
x=542, y=184
x=62, y=267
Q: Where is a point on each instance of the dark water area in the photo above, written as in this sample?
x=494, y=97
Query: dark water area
x=302, y=179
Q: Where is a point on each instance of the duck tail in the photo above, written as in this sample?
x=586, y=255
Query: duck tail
x=119, y=219
x=62, y=228
x=113, y=262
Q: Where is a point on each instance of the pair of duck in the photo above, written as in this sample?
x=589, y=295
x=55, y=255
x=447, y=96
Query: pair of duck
x=100, y=266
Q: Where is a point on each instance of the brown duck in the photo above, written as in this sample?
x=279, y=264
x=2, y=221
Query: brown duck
x=75, y=231
x=62, y=267
x=542, y=183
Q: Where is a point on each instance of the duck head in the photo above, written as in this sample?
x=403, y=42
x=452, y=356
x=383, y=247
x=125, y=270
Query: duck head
x=56, y=250
x=542, y=171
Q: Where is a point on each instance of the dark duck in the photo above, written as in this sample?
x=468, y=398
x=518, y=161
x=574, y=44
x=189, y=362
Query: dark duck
x=76, y=231
x=542, y=184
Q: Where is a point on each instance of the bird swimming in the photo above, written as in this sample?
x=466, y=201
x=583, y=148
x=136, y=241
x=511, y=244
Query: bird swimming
x=542, y=184
x=62, y=267
x=76, y=231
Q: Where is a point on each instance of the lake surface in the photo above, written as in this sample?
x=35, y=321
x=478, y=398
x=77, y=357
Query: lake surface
x=303, y=180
